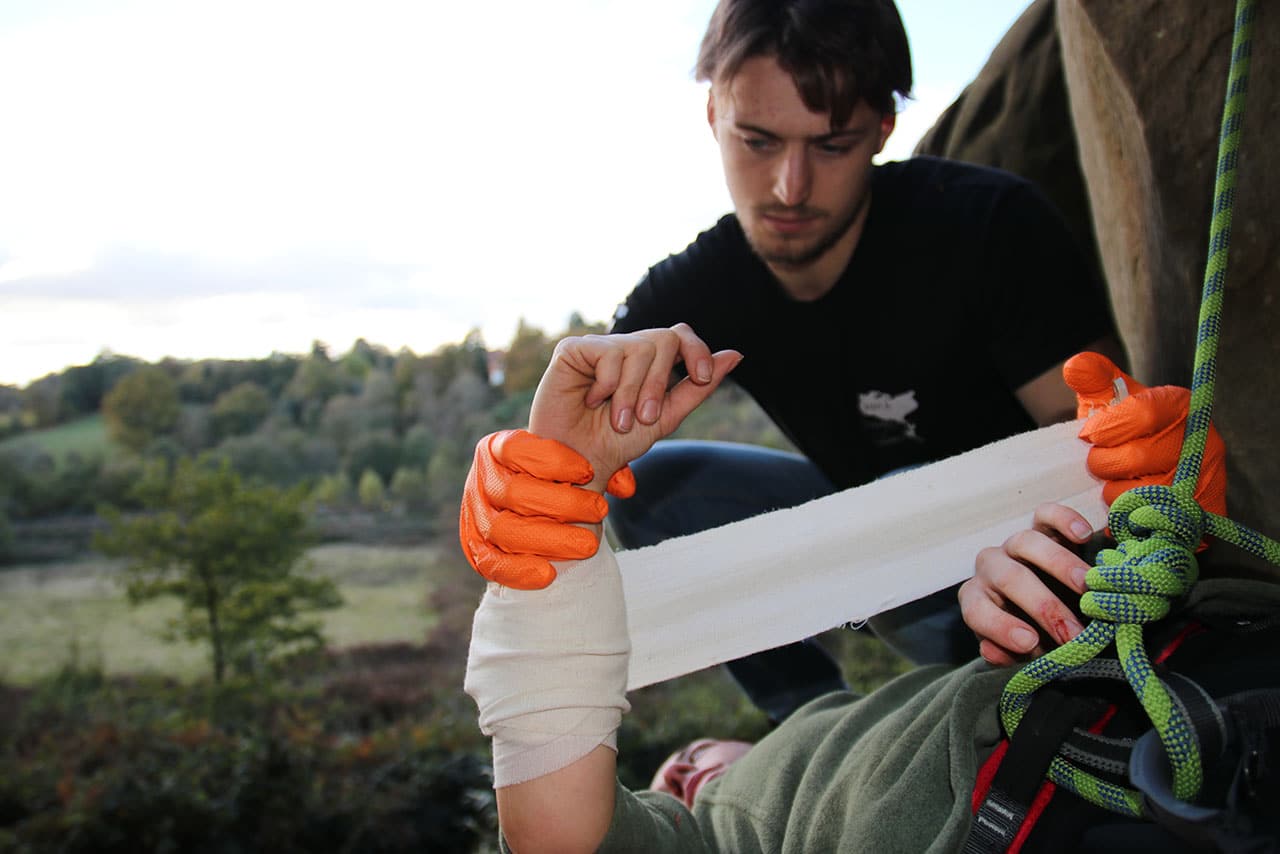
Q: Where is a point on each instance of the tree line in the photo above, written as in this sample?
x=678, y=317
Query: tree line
x=366, y=434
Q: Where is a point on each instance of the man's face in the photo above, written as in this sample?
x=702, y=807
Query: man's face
x=798, y=186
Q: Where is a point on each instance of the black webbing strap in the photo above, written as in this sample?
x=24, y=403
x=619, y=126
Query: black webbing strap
x=1047, y=723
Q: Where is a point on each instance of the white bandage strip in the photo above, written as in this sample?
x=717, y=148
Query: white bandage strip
x=721, y=594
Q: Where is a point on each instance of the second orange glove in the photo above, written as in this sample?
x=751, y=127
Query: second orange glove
x=1137, y=432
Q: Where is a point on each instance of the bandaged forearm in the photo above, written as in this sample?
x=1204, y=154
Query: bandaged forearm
x=548, y=669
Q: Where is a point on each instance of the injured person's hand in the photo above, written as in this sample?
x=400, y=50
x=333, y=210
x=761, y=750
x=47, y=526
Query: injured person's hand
x=1009, y=604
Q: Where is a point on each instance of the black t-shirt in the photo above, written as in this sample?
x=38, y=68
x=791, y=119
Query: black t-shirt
x=964, y=286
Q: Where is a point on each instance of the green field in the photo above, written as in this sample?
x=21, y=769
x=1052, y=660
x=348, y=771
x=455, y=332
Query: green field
x=87, y=437
x=54, y=614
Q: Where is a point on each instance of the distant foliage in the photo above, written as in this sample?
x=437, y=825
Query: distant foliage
x=240, y=410
x=143, y=406
x=231, y=553
x=317, y=421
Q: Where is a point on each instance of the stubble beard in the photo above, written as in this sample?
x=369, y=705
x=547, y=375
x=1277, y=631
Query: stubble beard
x=794, y=254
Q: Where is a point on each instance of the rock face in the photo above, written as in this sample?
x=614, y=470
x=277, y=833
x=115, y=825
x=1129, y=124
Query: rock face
x=1147, y=79
x=1144, y=84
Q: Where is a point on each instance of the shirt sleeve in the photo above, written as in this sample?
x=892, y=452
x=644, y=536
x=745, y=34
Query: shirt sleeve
x=648, y=821
x=686, y=287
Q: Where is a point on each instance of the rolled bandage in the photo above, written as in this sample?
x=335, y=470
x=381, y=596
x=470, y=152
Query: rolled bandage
x=548, y=668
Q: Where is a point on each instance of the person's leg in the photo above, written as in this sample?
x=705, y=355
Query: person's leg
x=927, y=631
x=683, y=487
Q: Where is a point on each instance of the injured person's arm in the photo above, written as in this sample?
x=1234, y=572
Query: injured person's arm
x=548, y=668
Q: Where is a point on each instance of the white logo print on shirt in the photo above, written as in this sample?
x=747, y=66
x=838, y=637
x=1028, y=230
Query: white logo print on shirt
x=886, y=415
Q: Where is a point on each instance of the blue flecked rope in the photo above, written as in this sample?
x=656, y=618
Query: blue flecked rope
x=1158, y=528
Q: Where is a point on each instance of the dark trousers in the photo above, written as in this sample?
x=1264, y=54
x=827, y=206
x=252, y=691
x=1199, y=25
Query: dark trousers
x=683, y=487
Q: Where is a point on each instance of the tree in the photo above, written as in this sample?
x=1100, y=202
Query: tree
x=331, y=490
x=371, y=491
x=141, y=407
x=379, y=451
x=409, y=486
x=232, y=554
x=528, y=355
x=240, y=410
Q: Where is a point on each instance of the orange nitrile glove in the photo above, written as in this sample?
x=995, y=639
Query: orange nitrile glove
x=1137, y=432
x=521, y=509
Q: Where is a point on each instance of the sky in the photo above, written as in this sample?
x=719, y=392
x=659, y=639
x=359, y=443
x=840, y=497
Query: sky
x=228, y=179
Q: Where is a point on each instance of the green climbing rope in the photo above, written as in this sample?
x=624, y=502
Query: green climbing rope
x=1158, y=528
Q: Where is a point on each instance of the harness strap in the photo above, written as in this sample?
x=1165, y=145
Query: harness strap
x=1004, y=810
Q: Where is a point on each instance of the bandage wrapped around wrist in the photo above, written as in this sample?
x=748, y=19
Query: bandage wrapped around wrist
x=548, y=669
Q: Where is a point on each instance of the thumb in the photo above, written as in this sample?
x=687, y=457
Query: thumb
x=622, y=484
x=1097, y=382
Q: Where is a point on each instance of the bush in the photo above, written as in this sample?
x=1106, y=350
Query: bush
x=89, y=764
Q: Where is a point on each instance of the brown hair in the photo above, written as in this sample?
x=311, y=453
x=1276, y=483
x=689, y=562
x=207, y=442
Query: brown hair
x=838, y=52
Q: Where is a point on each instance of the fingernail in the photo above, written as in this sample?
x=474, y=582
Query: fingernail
x=1023, y=639
x=1072, y=628
x=649, y=411
x=1078, y=578
x=1081, y=529
x=704, y=371
x=624, y=420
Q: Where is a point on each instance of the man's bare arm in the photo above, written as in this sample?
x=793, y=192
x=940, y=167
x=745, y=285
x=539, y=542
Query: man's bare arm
x=1049, y=400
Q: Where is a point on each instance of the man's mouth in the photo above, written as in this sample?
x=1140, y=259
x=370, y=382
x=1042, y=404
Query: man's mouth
x=790, y=222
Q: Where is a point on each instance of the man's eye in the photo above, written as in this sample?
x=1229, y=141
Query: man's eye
x=835, y=148
x=758, y=143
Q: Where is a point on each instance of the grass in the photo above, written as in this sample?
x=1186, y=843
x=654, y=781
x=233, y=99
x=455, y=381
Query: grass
x=76, y=612
x=86, y=437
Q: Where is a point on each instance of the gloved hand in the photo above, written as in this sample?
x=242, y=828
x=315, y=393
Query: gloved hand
x=521, y=509
x=1137, y=432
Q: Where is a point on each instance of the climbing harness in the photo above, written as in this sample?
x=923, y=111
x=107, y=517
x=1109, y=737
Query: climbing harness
x=1158, y=529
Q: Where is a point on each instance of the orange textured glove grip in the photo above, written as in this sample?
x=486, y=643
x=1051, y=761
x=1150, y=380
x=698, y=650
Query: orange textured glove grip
x=521, y=510
x=1137, y=438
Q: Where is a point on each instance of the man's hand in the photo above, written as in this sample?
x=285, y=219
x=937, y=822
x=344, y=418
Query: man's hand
x=1137, y=432
x=524, y=503
x=1005, y=578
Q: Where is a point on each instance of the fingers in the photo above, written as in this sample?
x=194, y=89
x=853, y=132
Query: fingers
x=546, y=538
x=645, y=372
x=1149, y=413
x=994, y=654
x=561, y=502
x=695, y=354
x=545, y=459
x=1138, y=442
x=1156, y=455
x=983, y=608
x=625, y=370
x=521, y=572
x=632, y=374
x=1007, y=601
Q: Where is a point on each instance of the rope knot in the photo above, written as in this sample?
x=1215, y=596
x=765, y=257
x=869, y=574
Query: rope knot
x=1158, y=532
x=1158, y=511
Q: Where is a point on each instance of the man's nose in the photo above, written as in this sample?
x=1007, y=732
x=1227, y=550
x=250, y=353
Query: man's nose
x=794, y=177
